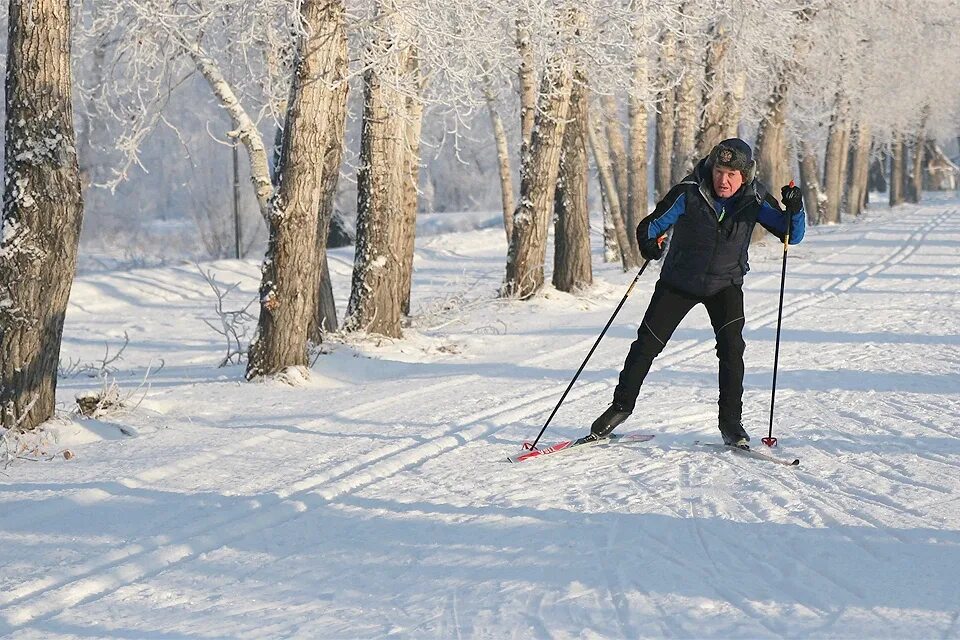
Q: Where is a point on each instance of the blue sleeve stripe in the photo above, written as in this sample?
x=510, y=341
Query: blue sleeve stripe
x=798, y=225
x=776, y=221
x=668, y=219
x=772, y=218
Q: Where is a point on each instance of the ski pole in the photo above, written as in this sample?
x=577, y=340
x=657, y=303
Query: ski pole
x=592, y=349
x=770, y=441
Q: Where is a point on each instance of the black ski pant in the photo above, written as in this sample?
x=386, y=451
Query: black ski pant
x=668, y=306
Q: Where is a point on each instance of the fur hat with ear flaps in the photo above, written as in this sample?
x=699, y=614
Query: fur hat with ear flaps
x=736, y=154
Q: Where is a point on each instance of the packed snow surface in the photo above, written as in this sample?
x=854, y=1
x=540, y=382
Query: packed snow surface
x=372, y=499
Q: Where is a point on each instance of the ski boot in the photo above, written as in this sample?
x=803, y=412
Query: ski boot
x=609, y=420
x=734, y=435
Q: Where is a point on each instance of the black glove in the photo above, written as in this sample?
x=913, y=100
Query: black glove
x=652, y=249
x=792, y=198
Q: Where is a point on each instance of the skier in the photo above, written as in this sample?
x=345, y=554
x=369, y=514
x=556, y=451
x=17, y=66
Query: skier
x=713, y=212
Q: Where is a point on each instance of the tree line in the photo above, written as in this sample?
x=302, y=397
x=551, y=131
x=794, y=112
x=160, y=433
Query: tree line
x=848, y=97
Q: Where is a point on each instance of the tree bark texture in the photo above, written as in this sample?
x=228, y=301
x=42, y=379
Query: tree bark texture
x=897, y=170
x=245, y=129
x=413, y=116
x=288, y=288
x=916, y=172
x=617, y=147
x=685, y=130
x=665, y=123
x=771, y=149
x=714, y=99
x=810, y=183
x=733, y=109
x=637, y=167
x=325, y=312
x=687, y=107
x=834, y=160
x=611, y=196
x=859, y=170
x=877, y=177
x=383, y=183
x=538, y=177
x=571, y=259
x=503, y=160
x=528, y=84
x=42, y=209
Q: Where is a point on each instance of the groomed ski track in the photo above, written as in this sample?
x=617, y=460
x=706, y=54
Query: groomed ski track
x=373, y=501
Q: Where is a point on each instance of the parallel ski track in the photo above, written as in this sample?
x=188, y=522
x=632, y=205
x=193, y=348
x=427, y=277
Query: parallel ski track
x=817, y=502
x=93, y=579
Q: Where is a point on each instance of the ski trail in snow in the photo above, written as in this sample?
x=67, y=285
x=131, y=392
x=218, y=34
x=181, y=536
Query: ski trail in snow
x=846, y=489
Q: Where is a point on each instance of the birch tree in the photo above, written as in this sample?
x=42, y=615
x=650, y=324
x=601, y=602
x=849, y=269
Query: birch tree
x=719, y=112
x=538, y=173
x=687, y=101
x=42, y=209
x=638, y=115
x=611, y=195
x=385, y=208
x=665, y=118
x=835, y=160
x=571, y=262
x=860, y=166
x=288, y=287
x=503, y=153
x=919, y=145
x=897, y=170
x=813, y=200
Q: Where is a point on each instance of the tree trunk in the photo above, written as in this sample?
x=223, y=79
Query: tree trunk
x=733, y=100
x=714, y=98
x=665, y=123
x=611, y=196
x=325, y=314
x=810, y=183
x=834, y=160
x=382, y=178
x=413, y=117
x=637, y=163
x=896, y=170
x=916, y=175
x=571, y=259
x=538, y=177
x=42, y=210
x=907, y=182
x=877, y=180
x=859, y=171
x=528, y=83
x=288, y=289
x=685, y=131
x=611, y=247
x=618, y=162
x=771, y=148
x=615, y=143
x=245, y=128
x=503, y=160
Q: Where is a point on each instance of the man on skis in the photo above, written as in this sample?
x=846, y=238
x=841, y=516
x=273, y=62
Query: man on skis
x=712, y=212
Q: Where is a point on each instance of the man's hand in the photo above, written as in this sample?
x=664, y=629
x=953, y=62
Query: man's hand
x=652, y=249
x=792, y=198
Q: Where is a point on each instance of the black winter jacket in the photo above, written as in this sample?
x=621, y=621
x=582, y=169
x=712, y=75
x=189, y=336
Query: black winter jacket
x=708, y=253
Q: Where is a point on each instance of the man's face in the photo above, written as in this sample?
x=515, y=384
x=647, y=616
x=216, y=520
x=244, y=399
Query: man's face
x=726, y=181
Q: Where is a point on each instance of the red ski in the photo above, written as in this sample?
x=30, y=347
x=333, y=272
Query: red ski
x=528, y=453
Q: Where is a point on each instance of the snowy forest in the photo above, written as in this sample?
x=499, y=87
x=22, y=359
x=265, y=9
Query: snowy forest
x=379, y=237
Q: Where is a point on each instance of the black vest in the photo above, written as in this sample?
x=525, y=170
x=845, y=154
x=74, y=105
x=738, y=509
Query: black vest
x=707, y=254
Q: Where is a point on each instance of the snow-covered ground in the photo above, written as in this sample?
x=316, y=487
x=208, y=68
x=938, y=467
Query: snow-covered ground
x=374, y=501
